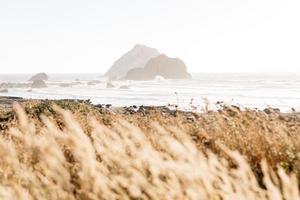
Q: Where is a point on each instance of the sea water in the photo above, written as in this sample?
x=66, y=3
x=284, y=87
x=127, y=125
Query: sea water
x=245, y=90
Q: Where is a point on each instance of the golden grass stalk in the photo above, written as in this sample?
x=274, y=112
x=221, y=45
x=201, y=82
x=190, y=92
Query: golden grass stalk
x=123, y=162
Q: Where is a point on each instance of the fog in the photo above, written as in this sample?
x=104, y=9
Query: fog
x=210, y=36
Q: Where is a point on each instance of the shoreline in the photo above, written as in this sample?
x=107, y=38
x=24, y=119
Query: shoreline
x=6, y=102
x=246, y=91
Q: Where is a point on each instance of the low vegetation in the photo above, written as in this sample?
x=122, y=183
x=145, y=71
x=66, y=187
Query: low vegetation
x=97, y=152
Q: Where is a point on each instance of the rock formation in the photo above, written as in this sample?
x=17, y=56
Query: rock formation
x=14, y=85
x=162, y=65
x=38, y=84
x=3, y=90
x=135, y=58
x=109, y=85
x=39, y=76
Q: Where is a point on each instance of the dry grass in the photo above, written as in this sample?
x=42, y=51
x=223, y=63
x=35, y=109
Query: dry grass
x=123, y=161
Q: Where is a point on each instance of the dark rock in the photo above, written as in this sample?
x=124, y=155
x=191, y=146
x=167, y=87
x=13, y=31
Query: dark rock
x=99, y=106
x=144, y=110
x=88, y=101
x=268, y=111
x=7, y=102
x=14, y=85
x=108, y=105
x=39, y=76
x=277, y=110
x=191, y=118
x=169, y=68
x=130, y=110
x=109, y=85
x=271, y=110
x=3, y=90
x=38, y=84
x=135, y=58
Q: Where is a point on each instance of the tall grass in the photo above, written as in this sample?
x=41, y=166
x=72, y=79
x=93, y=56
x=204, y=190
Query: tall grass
x=123, y=162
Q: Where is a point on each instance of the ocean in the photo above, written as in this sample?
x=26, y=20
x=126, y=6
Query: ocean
x=245, y=90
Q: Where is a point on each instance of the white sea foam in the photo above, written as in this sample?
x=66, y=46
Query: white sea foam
x=246, y=90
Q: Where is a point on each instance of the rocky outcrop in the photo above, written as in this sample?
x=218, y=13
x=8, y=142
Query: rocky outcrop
x=162, y=65
x=135, y=58
x=38, y=80
x=14, y=85
x=38, y=84
x=109, y=85
x=39, y=76
x=3, y=90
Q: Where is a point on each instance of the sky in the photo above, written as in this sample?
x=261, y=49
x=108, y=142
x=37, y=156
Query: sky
x=76, y=36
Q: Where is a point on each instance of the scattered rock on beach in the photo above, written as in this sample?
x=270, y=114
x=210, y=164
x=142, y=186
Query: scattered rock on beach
x=108, y=105
x=269, y=111
x=130, y=110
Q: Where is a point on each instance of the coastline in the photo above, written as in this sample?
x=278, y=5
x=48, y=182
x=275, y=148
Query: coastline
x=257, y=135
x=244, y=90
x=229, y=125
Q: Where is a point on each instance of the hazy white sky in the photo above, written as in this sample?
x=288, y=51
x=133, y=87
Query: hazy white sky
x=209, y=35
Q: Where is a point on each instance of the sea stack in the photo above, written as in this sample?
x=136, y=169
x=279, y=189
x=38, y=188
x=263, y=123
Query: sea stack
x=145, y=63
x=162, y=65
x=38, y=84
x=39, y=76
x=135, y=58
